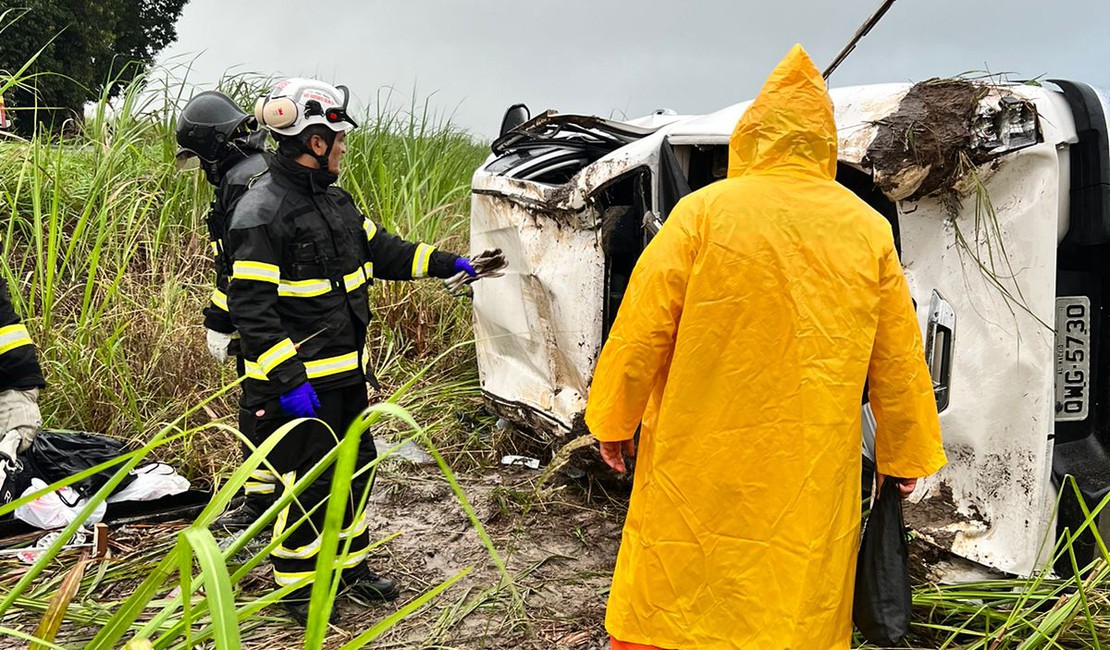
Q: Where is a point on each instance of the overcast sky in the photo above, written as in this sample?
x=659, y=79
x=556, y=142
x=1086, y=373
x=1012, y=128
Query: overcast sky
x=626, y=57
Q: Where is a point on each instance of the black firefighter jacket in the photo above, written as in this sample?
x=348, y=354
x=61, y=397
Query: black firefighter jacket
x=19, y=366
x=232, y=185
x=302, y=259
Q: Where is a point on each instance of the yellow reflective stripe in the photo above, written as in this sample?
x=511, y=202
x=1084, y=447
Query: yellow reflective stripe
x=263, y=476
x=258, y=271
x=215, y=248
x=285, y=578
x=219, y=299
x=258, y=488
x=308, y=551
x=303, y=288
x=255, y=372
x=368, y=269
x=276, y=355
x=315, y=369
x=370, y=227
x=353, y=281
x=420, y=260
x=331, y=365
x=287, y=480
x=358, y=527
x=12, y=337
x=305, y=552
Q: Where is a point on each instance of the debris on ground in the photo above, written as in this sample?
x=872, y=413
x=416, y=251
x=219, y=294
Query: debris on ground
x=521, y=461
x=408, y=451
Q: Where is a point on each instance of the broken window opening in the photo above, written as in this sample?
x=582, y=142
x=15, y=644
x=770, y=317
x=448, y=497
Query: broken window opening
x=622, y=206
x=706, y=164
x=700, y=164
x=672, y=187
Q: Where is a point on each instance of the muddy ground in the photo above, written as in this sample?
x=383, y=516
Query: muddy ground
x=559, y=546
x=559, y=549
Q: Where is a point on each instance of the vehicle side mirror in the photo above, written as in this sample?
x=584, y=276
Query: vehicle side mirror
x=516, y=115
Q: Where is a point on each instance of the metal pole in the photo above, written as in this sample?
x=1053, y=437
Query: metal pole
x=860, y=33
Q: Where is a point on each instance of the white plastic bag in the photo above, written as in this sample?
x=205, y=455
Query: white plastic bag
x=152, y=482
x=56, y=509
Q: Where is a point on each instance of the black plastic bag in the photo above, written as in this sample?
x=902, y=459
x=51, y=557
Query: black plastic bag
x=57, y=456
x=881, y=607
x=17, y=478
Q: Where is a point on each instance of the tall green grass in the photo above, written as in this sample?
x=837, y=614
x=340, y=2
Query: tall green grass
x=410, y=170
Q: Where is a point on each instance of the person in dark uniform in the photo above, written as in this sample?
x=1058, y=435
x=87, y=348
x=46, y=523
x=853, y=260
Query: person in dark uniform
x=20, y=382
x=215, y=131
x=303, y=257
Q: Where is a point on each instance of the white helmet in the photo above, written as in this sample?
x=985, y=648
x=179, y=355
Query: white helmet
x=296, y=104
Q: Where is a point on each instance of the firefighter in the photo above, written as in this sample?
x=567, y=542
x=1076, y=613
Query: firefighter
x=303, y=257
x=215, y=131
x=20, y=382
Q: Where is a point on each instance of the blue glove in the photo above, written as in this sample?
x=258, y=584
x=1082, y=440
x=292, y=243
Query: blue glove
x=301, y=402
x=463, y=264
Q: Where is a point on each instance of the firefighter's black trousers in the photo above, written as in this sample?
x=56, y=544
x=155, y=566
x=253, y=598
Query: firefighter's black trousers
x=294, y=457
x=262, y=486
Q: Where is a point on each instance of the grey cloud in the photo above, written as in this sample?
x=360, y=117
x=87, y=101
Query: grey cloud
x=602, y=56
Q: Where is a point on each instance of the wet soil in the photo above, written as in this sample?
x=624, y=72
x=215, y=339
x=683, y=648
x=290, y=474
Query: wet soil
x=559, y=548
x=917, y=150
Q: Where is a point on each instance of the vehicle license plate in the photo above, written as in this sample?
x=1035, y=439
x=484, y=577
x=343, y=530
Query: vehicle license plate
x=1073, y=358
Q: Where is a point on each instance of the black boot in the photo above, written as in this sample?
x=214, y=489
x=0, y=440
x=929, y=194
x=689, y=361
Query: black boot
x=366, y=584
x=246, y=514
x=298, y=609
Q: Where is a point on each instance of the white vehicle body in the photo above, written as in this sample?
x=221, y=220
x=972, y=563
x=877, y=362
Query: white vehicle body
x=563, y=196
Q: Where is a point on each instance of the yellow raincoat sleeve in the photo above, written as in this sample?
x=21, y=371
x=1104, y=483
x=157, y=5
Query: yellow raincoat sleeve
x=907, y=437
x=642, y=338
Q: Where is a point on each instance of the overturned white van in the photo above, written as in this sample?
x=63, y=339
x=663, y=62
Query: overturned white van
x=999, y=196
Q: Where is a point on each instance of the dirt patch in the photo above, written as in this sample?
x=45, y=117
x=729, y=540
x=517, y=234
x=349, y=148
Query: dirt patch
x=560, y=551
x=916, y=151
x=936, y=510
x=941, y=127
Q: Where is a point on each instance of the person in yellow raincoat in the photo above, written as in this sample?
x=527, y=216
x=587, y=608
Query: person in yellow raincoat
x=749, y=327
